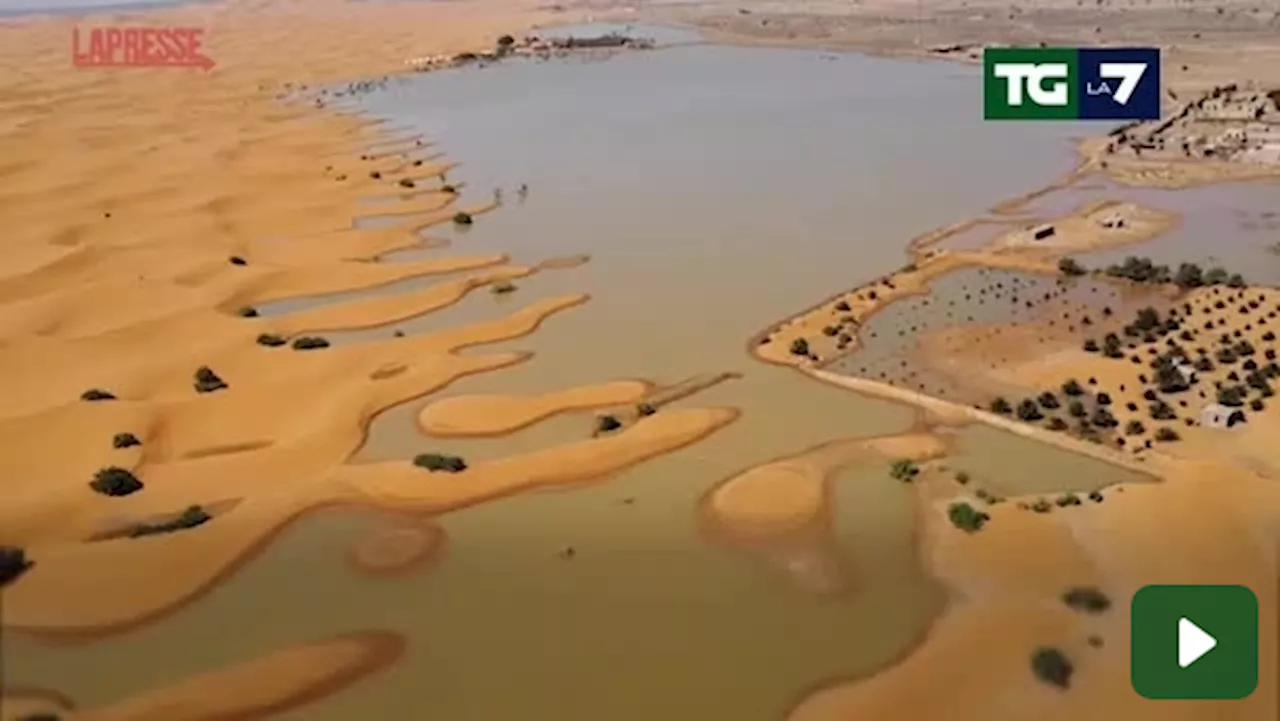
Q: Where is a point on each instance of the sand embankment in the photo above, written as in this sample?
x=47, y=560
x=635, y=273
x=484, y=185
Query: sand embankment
x=492, y=415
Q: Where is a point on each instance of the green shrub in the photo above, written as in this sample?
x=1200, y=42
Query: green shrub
x=1048, y=401
x=1135, y=428
x=309, y=342
x=1068, y=499
x=1087, y=599
x=438, y=462
x=1072, y=388
x=962, y=478
x=1166, y=434
x=1052, y=666
x=115, y=481
x=607, y=423
x=1041, y=506
x=207, y=381
x=800, y=347
x=97, y=394
x=966, y=517
x=461, y=218
x=903, y=470
x=271, y=340
x=1001, y=406
x=125, y=440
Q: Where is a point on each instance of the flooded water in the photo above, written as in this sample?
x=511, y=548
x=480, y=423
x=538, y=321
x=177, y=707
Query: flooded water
x=716, y=190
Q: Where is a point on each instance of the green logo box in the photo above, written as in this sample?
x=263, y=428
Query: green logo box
x=1227, y=616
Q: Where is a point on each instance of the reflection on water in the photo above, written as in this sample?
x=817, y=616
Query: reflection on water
x=715, y=188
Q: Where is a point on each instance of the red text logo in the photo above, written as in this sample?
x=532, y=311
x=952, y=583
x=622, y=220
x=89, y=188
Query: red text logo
x=138, y=47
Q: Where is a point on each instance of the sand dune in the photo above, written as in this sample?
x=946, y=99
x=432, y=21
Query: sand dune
x=477, y=415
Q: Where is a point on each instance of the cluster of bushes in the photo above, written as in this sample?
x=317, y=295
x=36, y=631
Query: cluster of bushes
x=115, y=481
x=190, y=518
x=1188, y=275
x=439, y=462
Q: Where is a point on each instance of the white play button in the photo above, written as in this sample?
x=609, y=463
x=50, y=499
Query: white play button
x=1193, y=643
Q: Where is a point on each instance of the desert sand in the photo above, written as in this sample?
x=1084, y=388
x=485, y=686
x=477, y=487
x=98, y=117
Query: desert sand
x=476, y=415
x=255, y=688
x=148, y=209
x=152, y=211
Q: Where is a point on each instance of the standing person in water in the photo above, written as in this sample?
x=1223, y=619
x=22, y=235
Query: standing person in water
x=523, y=192
x=497, y=196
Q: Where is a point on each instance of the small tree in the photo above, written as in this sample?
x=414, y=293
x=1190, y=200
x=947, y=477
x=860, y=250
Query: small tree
x=1029, y=411
x=1052, y=666
x=115, y=481
x=800, y=347
x=1069, y=267
x=439, y=462
x=206, y=381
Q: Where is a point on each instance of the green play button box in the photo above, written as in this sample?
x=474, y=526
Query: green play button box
x=1194, y=642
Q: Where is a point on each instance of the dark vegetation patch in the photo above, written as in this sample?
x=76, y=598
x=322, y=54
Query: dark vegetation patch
x=115, y=481
x=206, y=381
x=439, y=462
x=310, y=342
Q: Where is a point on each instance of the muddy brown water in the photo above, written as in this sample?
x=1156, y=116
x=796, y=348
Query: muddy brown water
x=717, y=189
